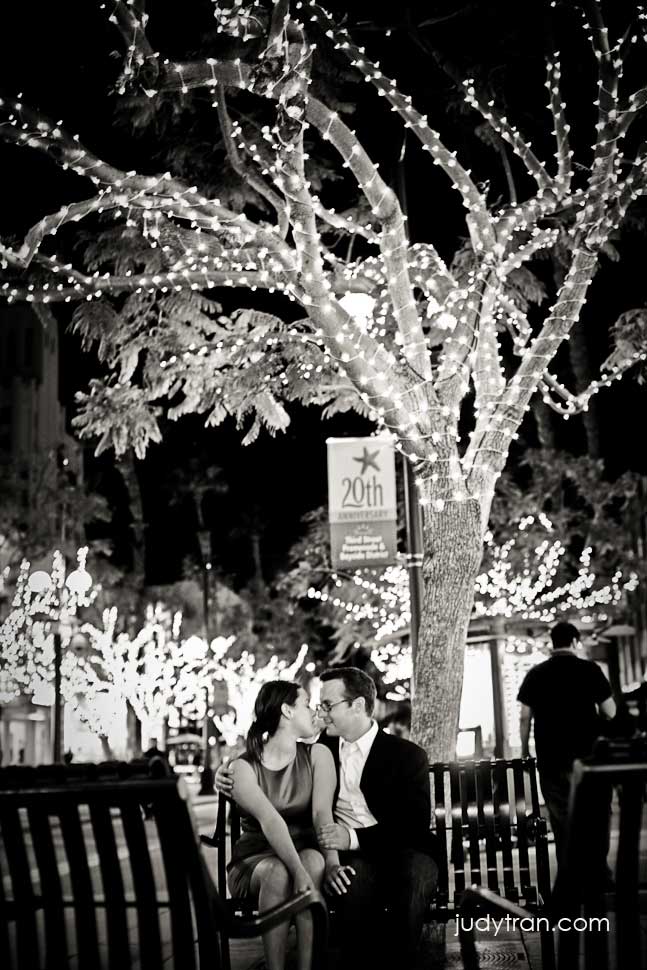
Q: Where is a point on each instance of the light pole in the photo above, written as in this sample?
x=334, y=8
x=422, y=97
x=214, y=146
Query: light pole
x=415, y=551
x=207, y=776
x=40, y=583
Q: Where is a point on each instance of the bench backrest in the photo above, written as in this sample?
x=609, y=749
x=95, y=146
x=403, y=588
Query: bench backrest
x=487, y=818
x=86, y=881
x=475, y=806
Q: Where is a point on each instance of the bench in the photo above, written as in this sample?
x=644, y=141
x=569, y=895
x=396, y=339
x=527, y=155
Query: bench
x=487, y=819
x=614, y=764
x=87, y=883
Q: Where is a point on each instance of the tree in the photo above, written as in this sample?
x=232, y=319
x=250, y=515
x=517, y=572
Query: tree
x=446, y=357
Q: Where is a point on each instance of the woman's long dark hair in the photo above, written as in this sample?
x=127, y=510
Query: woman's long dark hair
x=267, y=713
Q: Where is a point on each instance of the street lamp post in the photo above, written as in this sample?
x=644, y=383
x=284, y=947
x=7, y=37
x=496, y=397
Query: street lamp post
x=415, y=551
x=57, y=744
x=207, y=776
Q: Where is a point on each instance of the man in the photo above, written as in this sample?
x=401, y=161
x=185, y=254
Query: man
x=381, y=826
x=399, y=723
x=564, y=696
x=155, y=758
x=153, y=751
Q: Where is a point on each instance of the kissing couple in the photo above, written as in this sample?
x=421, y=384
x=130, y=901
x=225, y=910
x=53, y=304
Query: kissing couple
x=349, y=813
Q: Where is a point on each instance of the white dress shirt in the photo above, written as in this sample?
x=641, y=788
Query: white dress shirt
x=351, y=809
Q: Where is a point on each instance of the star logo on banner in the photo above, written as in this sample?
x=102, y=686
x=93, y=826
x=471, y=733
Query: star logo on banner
x=368, y=460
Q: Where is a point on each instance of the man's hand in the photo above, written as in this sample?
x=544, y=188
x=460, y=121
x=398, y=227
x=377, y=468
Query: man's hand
x=224, y=780
x=337, y=879
x=333, y=836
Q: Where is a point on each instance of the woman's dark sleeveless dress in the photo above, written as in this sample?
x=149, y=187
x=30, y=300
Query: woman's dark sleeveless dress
x=290, y=791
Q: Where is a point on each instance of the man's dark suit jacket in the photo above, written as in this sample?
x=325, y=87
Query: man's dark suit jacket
x=395, y=784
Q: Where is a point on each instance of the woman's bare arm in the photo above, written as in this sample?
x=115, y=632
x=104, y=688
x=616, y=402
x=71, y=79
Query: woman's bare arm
x=252, y=800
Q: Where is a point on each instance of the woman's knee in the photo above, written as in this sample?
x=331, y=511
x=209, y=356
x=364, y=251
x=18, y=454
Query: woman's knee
x=313, y=863
x=274, y=878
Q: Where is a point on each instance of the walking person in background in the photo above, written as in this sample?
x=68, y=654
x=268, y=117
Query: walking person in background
x=153, y=751
x=155, y=759
x=566, y=697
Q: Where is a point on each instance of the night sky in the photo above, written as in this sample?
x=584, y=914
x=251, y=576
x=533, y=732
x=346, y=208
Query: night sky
x=64, y=58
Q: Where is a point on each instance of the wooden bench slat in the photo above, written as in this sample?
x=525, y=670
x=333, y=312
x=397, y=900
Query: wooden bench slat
x=518, y=776
x=438, y=774
x=178, y=890
x=541, y=841
x=505, y=829
x=23, y=891
x=489, y=827
x=470, y=819
x=221, y=835
x=87, y=938
x=457, y=855
x=51, y=890
x=5, y=949
x=211, y=911
x=113, y=887
x=149, y=939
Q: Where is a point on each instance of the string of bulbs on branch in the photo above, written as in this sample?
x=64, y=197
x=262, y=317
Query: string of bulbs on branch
x=411, y=386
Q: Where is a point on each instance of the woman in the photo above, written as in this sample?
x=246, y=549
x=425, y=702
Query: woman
x=285, y=789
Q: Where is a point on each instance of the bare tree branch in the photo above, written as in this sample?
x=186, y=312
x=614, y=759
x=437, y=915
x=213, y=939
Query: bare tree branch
x=141, y=59
x=515, y=400
x=561, y=131
x=96, y=285
x=246, y=171
x=473, y=200
x=510, y=134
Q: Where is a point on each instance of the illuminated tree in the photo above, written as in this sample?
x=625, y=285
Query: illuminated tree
x=43, y=603
x=424, y=355
x=244, y=679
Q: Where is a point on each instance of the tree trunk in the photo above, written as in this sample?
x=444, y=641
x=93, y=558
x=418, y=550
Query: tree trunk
x=134, y=732
x=106, y=749
x=580, y=362
x=544, y=420
x=453, y=553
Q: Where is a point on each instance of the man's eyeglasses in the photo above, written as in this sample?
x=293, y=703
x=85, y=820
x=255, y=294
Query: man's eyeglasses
x=327, y=707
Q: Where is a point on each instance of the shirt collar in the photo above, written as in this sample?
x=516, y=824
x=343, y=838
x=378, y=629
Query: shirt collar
x=364, y=743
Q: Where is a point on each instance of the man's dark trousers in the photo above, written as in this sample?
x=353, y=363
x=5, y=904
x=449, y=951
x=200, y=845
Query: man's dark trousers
x=555, y=786
x=404, y=880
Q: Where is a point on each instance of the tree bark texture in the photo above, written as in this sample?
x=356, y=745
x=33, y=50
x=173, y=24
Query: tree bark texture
x=453, y=553
x=581, y=363
x=544, y=420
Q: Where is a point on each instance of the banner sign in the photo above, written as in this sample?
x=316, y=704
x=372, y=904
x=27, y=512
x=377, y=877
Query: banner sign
x=362, y=502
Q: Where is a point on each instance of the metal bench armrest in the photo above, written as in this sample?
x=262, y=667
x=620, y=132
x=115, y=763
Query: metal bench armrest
x=478, y=896
x=244, y=927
